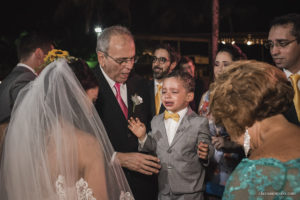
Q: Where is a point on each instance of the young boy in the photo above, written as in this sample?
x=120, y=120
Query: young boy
x=177, y=141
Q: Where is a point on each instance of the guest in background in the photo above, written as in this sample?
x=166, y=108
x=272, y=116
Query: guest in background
x=252, y=116
x=32, y=50
x=117, y=89
x=175, y=135
x=164, y=60
x=284, y=44
x=227, y=153
x=186, y=64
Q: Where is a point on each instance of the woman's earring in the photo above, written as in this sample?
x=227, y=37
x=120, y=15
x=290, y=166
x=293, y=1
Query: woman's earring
x=246, y=143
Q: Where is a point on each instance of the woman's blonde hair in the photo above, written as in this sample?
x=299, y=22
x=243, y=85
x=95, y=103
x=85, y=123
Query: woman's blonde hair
x=249, y=91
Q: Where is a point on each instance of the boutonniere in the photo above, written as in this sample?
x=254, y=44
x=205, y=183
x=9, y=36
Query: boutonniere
x=137, y=100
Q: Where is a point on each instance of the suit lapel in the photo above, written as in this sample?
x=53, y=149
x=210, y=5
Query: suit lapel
x=109, y=99
x=130, y=92
x=163, y=130
x=181, y=128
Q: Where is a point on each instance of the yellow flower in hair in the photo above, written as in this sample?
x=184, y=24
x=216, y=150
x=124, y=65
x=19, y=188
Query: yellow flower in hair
x=55, y=54
x=52, y=56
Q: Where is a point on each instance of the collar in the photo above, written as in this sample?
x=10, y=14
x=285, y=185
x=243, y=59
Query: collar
x=181, y=113
x=26, y=66
x=157, y=83
x=288, y=73
x=109, y=80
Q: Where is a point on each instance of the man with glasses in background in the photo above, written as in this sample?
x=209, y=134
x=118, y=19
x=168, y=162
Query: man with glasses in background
x=284, y=44
x=122, y=95
x=164, y=60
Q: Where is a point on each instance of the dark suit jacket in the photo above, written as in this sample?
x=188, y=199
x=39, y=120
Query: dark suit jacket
x=199, y=90
x=116, y=125
x=152, y=100
x=291, y=115
x=9, y=90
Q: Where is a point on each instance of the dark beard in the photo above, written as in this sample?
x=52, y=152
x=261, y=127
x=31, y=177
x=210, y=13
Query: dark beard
x=160, y=75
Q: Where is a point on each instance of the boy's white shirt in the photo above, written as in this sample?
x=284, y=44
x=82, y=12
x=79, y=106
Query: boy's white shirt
x=171, y=127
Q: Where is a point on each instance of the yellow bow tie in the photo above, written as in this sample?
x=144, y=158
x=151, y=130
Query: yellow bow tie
x=174, y=116
x=295, y=78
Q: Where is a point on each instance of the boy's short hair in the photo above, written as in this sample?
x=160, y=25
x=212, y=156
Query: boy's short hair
x=187, y=79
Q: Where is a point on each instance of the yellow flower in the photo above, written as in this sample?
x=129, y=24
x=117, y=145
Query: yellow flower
x=55, y=54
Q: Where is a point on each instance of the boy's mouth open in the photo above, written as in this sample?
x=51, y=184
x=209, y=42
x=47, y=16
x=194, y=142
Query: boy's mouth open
x=168, y=103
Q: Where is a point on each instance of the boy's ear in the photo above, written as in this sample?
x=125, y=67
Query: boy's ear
x=190, y=96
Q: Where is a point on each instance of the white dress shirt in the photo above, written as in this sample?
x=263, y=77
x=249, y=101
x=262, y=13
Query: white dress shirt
x=26, y=66
x=171, y=127
x=123, y=88
x=288, y=74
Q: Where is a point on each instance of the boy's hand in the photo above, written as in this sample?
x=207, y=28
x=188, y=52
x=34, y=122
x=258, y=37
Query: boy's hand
x=137, y=127
x=202, y=150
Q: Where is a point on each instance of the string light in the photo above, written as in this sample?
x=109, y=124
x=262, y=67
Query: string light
x=242, y=38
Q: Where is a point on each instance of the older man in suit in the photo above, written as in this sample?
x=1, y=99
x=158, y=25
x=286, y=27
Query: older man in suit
x=123, y=95
x=31, y=52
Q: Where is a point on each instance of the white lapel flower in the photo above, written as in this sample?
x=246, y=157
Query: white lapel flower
x=137, y=100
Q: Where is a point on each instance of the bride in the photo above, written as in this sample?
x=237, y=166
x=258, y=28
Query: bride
x=56, y=146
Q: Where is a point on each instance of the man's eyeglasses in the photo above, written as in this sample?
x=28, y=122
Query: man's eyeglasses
x=279, y=43
x=161, y=60
x=121, y=61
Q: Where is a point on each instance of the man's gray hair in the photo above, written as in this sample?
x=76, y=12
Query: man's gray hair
x=105, y=36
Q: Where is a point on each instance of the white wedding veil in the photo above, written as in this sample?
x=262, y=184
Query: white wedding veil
x=55, y=137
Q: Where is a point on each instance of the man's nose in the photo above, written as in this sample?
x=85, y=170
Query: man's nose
x=274, y=50
x=129, y=65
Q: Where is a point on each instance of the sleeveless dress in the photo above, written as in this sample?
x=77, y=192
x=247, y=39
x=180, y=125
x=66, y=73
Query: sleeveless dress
x=83, y=191
x=265, y=178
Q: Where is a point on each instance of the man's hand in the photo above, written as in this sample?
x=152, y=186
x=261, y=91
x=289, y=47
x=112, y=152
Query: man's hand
x=202, y=150
x=137, y=127
x=143, y=163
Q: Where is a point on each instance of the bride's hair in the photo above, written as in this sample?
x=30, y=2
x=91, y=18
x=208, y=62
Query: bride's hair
x=83, y=73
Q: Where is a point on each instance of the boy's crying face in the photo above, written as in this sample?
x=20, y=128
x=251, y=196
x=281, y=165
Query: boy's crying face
x=175, y=96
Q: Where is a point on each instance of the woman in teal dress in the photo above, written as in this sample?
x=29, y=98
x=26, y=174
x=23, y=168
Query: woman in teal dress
x=249, y=99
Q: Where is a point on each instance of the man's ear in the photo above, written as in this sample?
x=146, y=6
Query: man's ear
x=100, y=57
x=39, y=53
x=190, y=96
x=172, y=66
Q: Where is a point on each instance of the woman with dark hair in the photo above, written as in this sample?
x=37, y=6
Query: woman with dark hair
x=248, y=98
x=227, y=153
x=85, y=76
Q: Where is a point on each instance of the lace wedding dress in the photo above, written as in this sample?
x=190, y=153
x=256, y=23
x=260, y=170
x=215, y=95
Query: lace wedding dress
x=82, y=189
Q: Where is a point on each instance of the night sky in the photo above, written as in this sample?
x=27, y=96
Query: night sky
x=72, y=22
